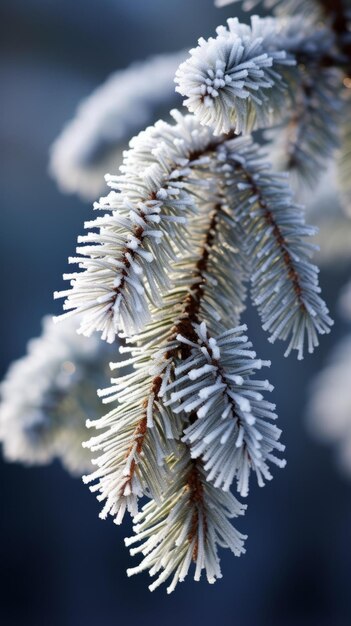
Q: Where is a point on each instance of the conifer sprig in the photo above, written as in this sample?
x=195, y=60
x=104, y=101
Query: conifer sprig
x=284, y=283
x=231, y=433
x=195, y=215
x=189, y=526
x=192, y=391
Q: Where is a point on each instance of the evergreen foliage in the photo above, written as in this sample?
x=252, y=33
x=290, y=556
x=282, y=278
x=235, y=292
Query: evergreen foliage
x=196, y=219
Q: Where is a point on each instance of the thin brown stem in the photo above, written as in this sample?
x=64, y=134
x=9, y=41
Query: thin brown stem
x=280, y=239
x=192, y=301
x=139, y=433
x=195, y=486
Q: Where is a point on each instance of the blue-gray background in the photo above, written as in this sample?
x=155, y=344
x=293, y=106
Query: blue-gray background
x=60, y=565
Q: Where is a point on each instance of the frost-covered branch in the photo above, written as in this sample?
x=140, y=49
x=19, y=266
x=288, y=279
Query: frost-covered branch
x=141, y=425
x=92, y=143
x=188, y=527
x=227, y=191
x=140, y=433
x=194, y=216
x=127, y=262
x=336, y=15
x=127, y=269
x=48, y=394
x=231, y=433
x=306, y=141
x=207, y=292
x=272, y=71
x=137, y=437
x=235, y=80
x=284, y=282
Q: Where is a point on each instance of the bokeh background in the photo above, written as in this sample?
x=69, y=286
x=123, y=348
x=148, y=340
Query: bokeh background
x=60, y=565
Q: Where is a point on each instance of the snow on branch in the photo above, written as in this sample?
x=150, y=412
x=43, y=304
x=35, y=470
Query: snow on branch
x=92, y=143
x=203, y=291
x=208, y=289
x=194, y=220
x=195, y=214
x=191, y=219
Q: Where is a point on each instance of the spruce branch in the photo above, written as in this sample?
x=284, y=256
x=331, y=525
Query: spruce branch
x=129, y=269
x=193, y=519
x=195, y=214
x=228, y=178
x=232, y=434
x=229, y=86
x=140, y=238
x=92, y=143
x=134, y=447
x=137, y=436
x=306, y=141
x=336, y=14
x=141, y=425
x=236, y=79
x=284, y=282
x=47, y=395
